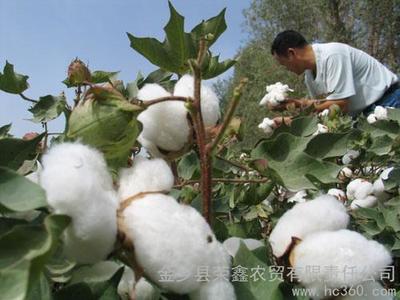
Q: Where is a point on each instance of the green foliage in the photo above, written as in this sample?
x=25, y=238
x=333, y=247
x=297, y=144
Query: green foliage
x=48, y=108
x=12, y=82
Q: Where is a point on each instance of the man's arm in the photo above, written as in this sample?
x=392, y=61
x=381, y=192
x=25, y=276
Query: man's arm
x=319, y=105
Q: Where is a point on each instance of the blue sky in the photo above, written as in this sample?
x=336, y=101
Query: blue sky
x=42, y=37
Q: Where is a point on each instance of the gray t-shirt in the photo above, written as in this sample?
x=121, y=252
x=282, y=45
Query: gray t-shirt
x=346, y=72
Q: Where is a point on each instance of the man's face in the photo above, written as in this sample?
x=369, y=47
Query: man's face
x=290, y=62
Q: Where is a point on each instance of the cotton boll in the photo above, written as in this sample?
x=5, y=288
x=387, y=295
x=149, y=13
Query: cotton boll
x=146, y=175
x=322, y=213
x=220, y=289
x=324, y=113
x=77, y=184
x=354, y=258
x=145, y=291
x=371, y=119
x=379, y=186
x=173, y=240
x=339, y=194
x=380, y=113
x=299, y=197
x=346, y=172
x=209, y=100
x=267, y=125
x=358, y=189
x=232, y=244
x=321, y=128
x=349, y=156
x=368, y=201
x=165, y=124
x=276, y=93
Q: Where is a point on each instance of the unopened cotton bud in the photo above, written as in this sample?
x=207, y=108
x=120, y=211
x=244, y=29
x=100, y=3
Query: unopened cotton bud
x=210, y=110
x=368, y=201
x=349, y=156
x=299, y=197
x=343, y=249
x=146, y=175
x=77, y=184
x=78, y=73
x=322, y=213
x=158, y=225
x=380, y=112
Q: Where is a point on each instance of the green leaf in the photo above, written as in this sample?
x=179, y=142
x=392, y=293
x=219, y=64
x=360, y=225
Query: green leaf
x=393, y=179
x=13, y=152
x=103, y=76
x=392, y=218
x=215, y=26
x=286, y=157
x=381, y=145
x=188, y=165
x=7, y=224
x=380, y=128
x=393, y=114
x=252, y=289
x=12, y=82
x=48, y=108
x=215, y=68
x=18, y=193
x=4, y=131
x=158, y=76
x=78, y=291
x=14, y=282
x=331, y=144
x=246, y=230
x=41, y=290
x=304, y=126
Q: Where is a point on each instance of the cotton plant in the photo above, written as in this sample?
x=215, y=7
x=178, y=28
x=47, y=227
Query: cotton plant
x=343, y=249
x=166, y=127
x=78, y=184
x=321, y=128
x=276, y=94
x=323, y=213
x=267, y=126
x=156, y=224
x=380, y=113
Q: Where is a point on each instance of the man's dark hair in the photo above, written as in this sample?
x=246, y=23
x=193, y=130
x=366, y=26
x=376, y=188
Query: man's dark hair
x=285, y=40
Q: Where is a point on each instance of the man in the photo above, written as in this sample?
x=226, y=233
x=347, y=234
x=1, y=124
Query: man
x=338, y=73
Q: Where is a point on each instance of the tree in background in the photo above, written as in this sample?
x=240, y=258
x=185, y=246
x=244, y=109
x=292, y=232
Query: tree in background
x=370, y=25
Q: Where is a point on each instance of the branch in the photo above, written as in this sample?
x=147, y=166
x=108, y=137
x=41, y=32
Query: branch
x=233, y=163
x=237, y=93
x=159, y=100
x=223, y=180
x=27, y=99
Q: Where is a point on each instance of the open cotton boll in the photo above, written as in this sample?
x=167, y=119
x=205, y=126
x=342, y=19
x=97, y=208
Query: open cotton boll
x=353, y=257
x=77, y=184
x=349, y=156
x=380, y=112
x=371, y=290
x=146, y=175
x=276, y=93
x=368, y=201
x=209, y=100
x=172, y=240
x=145, y=291
x=232, y=244
x=299, y=197
x=339, y=194
x=220, y=289
x=324, y=113
x=346, y=172
x=379, y=186
x=371, y=119
x=321, y=128
x=359, y=189
x=165, y=124
x=322, y=213
x=268, y=126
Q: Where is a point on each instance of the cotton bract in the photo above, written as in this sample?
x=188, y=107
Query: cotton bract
x=173, y=241
x=77, y=184
x=276, y=94
x=345, y=250
x=322, y=213
x=146, y=175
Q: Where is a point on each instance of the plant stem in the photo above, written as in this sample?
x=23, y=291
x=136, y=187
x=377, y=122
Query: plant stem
x=45, y=137
x=78, y=93
x=224, y=180
x=231, y=110
x=158, y=100
x=233, y=163
x=27, y=99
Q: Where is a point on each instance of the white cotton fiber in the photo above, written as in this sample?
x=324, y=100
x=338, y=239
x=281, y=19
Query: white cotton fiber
x=368, y=201
x=232, y=244
x=209, y=100
x=342, y=258
x=379, y=186
x=218, y=289
x=349, y=156
x=146, y=175
x=359, y=189
x=173, y=242
x=276, y=94
x=165, y=124
x=322, y=213
x=268, y=126
x=77, y=184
